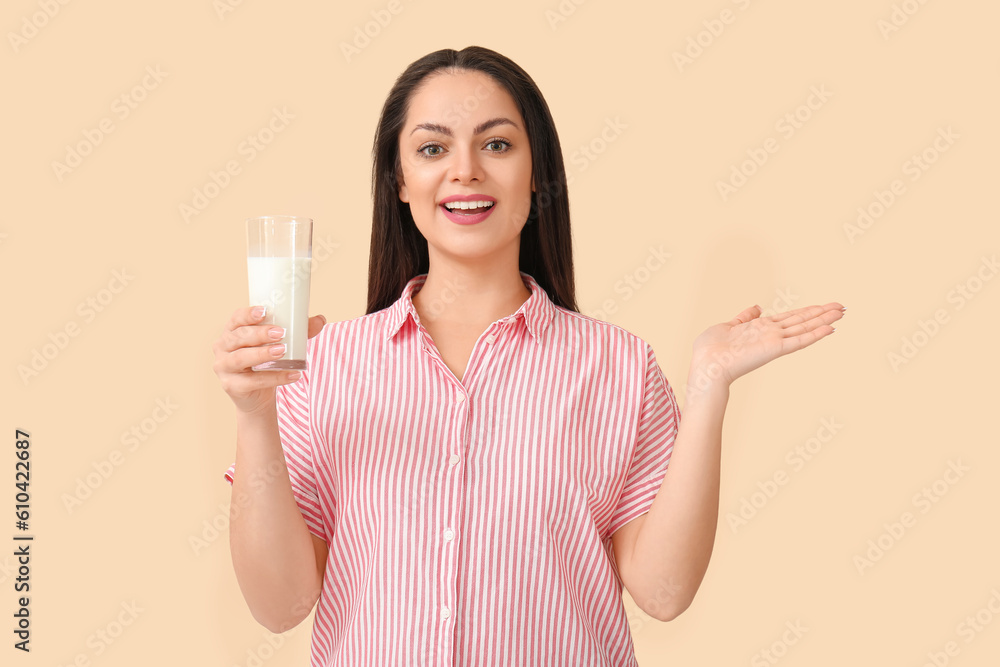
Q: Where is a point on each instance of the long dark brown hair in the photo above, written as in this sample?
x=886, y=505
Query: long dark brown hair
x=398, y=249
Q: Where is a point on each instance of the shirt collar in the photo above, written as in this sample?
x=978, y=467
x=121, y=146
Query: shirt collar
x=536, y=311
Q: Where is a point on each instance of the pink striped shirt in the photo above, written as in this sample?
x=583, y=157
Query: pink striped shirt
x=469, y=523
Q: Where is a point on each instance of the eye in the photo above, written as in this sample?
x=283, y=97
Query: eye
x=498, y=141
x=430, y=150
x=427, y=146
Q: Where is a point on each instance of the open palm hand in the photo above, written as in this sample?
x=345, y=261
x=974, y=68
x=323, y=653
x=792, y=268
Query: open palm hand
x=728, y=350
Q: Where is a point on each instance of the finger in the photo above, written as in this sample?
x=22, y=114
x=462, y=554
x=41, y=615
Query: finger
x=824, y=318
x=746, y=315
x=243, y=316
x=805, y=313
x=316, y=325
x=251, y=335
x=805, y=339
x=240, y=361
x=286, y=377
x=244, y=384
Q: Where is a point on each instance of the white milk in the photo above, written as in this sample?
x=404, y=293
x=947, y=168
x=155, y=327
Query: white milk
x=282, y=284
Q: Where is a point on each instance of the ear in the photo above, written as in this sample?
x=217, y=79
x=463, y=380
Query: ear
x=404, y=195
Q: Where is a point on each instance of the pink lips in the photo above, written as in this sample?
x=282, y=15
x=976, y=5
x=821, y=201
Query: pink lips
x=465, y=218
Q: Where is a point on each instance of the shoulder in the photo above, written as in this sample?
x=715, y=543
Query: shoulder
x=359, y=330
x=598, y=332
x=610, y=351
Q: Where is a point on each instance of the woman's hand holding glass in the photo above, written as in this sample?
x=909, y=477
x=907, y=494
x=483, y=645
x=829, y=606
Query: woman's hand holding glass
x=243, y=344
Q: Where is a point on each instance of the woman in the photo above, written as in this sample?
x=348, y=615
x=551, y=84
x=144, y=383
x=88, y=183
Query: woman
x=470, y=472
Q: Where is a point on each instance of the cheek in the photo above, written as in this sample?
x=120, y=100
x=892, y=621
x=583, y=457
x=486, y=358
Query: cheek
x=419, y=185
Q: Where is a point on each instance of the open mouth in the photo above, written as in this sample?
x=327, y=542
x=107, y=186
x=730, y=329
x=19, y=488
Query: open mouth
x=468, y=207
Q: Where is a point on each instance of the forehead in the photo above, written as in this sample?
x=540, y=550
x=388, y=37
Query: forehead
x=459, y=100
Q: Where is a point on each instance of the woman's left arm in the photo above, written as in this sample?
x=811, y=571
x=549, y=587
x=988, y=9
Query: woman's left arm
x=662, y=555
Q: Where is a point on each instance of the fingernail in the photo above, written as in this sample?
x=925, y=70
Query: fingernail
x=277, y=350
x=294, y=375
x=276, y=333
x=257, y=312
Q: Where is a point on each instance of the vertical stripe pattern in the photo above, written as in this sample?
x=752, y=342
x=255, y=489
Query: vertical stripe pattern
x=469, y=523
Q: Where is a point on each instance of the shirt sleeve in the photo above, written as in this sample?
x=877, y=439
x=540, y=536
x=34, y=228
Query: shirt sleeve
x=659, y=420
x=292, y=402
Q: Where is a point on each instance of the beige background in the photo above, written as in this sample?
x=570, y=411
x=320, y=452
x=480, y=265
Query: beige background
x=779, y=240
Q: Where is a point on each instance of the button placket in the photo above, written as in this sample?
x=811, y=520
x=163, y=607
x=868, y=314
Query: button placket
x=498, y=326
x=462, y=406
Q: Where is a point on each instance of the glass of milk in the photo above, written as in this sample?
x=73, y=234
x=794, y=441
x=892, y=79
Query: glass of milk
x=279, y=261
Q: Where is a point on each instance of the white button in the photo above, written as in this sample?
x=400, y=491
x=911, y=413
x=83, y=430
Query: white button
x=490, y=338
x=460, y=398
x=445, y=612
x=449, y=534
x=454, y=459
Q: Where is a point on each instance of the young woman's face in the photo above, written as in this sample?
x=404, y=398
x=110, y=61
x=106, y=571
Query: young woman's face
x=463, y=135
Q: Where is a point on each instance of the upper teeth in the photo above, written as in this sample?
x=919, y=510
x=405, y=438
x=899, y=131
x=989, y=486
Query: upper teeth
x=467, y=204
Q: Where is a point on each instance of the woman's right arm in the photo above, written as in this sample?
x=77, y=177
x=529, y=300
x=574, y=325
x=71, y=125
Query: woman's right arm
x=279, y=563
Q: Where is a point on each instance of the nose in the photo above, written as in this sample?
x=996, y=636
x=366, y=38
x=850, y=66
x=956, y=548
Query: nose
x=466, y=165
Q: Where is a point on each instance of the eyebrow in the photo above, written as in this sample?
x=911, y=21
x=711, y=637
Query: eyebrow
x=482, y=127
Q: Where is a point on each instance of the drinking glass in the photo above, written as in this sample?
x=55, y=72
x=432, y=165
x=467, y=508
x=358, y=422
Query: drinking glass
x=279, y=263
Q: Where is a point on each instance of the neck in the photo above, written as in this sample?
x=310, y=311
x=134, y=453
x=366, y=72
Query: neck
x=470, y=293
